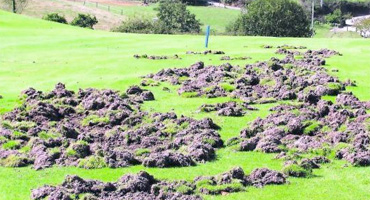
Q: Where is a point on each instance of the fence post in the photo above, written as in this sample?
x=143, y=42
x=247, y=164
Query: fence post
x=96, y=4
x=84, y=2
x=121, y=12
x=108, y=8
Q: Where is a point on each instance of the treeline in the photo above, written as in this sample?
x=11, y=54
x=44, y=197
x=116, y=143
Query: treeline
x=278, y=18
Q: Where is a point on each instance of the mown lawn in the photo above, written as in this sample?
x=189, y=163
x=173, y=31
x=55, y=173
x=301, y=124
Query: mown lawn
x=39, y=54
x=217, y=18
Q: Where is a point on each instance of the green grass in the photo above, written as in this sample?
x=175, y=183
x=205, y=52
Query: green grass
x=39, y=54
x=323, y=31
x=217, y=18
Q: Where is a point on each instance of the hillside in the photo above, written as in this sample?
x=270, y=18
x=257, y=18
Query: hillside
x=39, y=54
x=111, y=13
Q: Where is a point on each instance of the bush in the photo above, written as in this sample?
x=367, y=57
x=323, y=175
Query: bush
x=278, y=18
x=175, y=18
x=55, y=17
x=136, y=24
x=84, y=21
x=337, y=18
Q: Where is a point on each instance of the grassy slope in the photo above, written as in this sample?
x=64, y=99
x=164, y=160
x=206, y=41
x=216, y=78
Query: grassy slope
x=39, y=54
x=324, y=31
x=217, y=18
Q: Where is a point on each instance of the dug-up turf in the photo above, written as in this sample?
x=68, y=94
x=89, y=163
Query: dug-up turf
x=231, y=108
x=101, y=128
x=341, y=128
x=262, y=82
x=142, y=186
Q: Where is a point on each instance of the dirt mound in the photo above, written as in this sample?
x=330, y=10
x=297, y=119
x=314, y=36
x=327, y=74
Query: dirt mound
x=131, y=186
x=206, y=52
x=236, y=180
x=101, y=128
x=342, y=126
x=144, y=186
x=262, y=82
x=235, y=58
x=144, y=56
x=230, y=108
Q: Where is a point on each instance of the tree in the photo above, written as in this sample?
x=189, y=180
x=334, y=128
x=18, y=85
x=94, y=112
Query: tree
x=84, y=21
x=174, y=17
x=16, y=6
x=278, y=18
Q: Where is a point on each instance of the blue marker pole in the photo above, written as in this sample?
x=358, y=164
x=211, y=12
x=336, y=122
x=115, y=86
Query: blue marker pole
x=207, y=35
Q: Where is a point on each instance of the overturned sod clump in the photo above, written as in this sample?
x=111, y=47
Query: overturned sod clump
x=101, y=128
x=262, y=82
x=230, y=108
x=152, y=57
x=341, y=128
x=310, y=54
x=144, y=186
x=235, y=58
x=131, y=186
x=206, y=52
x=285, y=46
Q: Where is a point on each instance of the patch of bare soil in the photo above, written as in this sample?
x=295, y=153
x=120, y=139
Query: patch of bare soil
x=69, y=9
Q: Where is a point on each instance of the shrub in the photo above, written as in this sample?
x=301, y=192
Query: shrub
x=92, y=162
x=55, y=17
x=296, y=171
x=279, y=18
x=175, y=18
x=335, y=17
x=84, y=21
x=136, y=24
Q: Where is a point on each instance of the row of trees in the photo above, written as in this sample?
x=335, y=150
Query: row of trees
x=172, y=17
x=281, y=18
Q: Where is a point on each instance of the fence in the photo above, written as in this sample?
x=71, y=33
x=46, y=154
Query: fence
x=102, y=6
